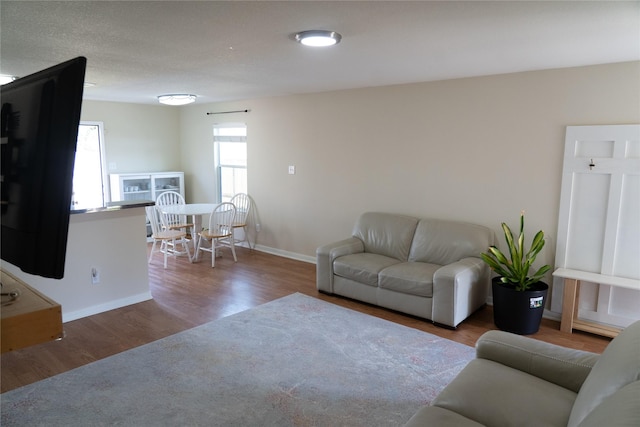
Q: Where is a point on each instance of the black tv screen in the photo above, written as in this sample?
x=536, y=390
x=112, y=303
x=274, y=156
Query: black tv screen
x=40, y=119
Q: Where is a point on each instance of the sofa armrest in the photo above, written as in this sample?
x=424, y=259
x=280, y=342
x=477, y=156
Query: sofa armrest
x=562, y=366
x=459, y=289
x=325, y=255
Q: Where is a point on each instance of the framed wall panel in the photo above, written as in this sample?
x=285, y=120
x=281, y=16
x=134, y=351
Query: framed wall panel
x=599, y=220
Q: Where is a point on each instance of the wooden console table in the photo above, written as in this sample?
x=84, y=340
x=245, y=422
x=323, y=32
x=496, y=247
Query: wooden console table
x=571, y=295
x=28, y=317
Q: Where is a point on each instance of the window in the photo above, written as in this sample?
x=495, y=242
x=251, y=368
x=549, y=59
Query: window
x=230, y=142
x=88, y=172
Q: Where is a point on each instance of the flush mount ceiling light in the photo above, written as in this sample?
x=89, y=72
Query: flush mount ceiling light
x=177, y=99
x=318, y=38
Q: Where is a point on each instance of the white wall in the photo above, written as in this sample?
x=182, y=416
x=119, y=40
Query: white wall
x=139, y=138
x=111, y=242
x=477, y=149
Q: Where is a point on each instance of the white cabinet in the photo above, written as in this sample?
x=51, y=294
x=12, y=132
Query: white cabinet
x=145, y=186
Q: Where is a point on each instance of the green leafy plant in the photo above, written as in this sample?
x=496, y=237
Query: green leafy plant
x=514, y=271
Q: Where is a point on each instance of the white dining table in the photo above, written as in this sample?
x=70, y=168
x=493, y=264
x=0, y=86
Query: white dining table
x=194, y=210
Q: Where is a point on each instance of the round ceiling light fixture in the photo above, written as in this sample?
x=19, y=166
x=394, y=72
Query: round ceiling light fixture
x=176, y=99
x=318, y=38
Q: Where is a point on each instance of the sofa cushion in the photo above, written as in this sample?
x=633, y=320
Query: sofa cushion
x=386, y=234
x=414, y=278
x=493, y=394
x=618, y=366
x=362, y=267
x=445, y=242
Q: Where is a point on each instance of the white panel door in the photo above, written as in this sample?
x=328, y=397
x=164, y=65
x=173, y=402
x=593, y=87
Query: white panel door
x=599, y=219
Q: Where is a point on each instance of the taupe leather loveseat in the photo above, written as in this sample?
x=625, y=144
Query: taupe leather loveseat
x=424, y=267
x=519, y=381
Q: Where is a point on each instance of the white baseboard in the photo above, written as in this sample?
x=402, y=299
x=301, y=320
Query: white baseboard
x=111, y=305
x=286, y=254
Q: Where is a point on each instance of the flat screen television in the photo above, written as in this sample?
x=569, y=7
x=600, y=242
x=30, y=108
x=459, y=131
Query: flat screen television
x=40, y=119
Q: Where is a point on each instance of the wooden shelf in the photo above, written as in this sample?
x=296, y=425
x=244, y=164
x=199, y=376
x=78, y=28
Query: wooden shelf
x=28, y=319
x=571, y=297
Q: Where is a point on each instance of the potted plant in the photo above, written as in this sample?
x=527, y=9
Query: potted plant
x=518, y=296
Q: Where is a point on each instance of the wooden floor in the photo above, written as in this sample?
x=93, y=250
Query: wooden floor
x=186, y=295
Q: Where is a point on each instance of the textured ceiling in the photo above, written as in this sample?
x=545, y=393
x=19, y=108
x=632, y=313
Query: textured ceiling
x=229, y=50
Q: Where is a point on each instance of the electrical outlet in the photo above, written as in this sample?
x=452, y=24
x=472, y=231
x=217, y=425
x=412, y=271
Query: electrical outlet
x=95, y=275
x=292, y=170
x=258, y=228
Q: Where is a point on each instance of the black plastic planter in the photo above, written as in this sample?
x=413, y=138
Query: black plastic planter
x=519, y=312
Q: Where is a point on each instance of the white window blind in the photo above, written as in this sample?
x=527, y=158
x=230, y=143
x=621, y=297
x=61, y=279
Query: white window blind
x=230, y=144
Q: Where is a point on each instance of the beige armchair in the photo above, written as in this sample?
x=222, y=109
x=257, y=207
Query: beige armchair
x=519, y=381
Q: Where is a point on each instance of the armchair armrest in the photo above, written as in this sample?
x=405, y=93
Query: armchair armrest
x=563, y=366
x=325, y=255
x=459, y=289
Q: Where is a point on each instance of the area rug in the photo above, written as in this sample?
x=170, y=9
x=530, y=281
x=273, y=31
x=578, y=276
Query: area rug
x=295, y=361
